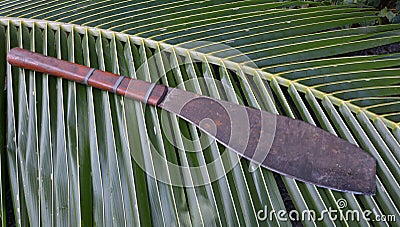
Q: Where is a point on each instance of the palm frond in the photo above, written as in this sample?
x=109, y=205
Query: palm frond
x=79, y=156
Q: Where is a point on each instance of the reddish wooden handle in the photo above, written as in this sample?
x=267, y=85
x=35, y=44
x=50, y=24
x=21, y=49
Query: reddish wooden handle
x=137, y=89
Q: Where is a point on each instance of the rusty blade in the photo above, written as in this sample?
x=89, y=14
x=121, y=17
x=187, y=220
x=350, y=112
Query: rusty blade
x=284, y=145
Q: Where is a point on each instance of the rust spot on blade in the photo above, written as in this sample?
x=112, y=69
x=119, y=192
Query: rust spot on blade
x=202, y=108
x=316, y=156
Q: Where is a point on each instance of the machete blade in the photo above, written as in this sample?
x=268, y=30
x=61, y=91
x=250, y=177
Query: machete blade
x=281, y=144
x=284, y=145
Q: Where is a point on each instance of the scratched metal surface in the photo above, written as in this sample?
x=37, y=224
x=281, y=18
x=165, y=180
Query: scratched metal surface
x=284, y=145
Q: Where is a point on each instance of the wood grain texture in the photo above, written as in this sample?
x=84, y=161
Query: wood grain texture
x=135, y=89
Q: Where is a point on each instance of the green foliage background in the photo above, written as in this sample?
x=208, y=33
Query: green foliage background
x=67, y=149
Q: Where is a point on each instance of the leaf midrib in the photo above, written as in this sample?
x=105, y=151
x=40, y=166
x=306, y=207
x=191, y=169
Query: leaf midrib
x=198, y=55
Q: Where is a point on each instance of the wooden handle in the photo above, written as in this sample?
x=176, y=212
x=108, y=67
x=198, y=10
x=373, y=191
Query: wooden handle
x=140, y=90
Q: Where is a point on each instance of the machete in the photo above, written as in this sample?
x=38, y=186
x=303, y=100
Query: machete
x=284, y=145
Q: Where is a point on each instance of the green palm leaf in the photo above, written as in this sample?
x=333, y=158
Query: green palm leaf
x=79, y=156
